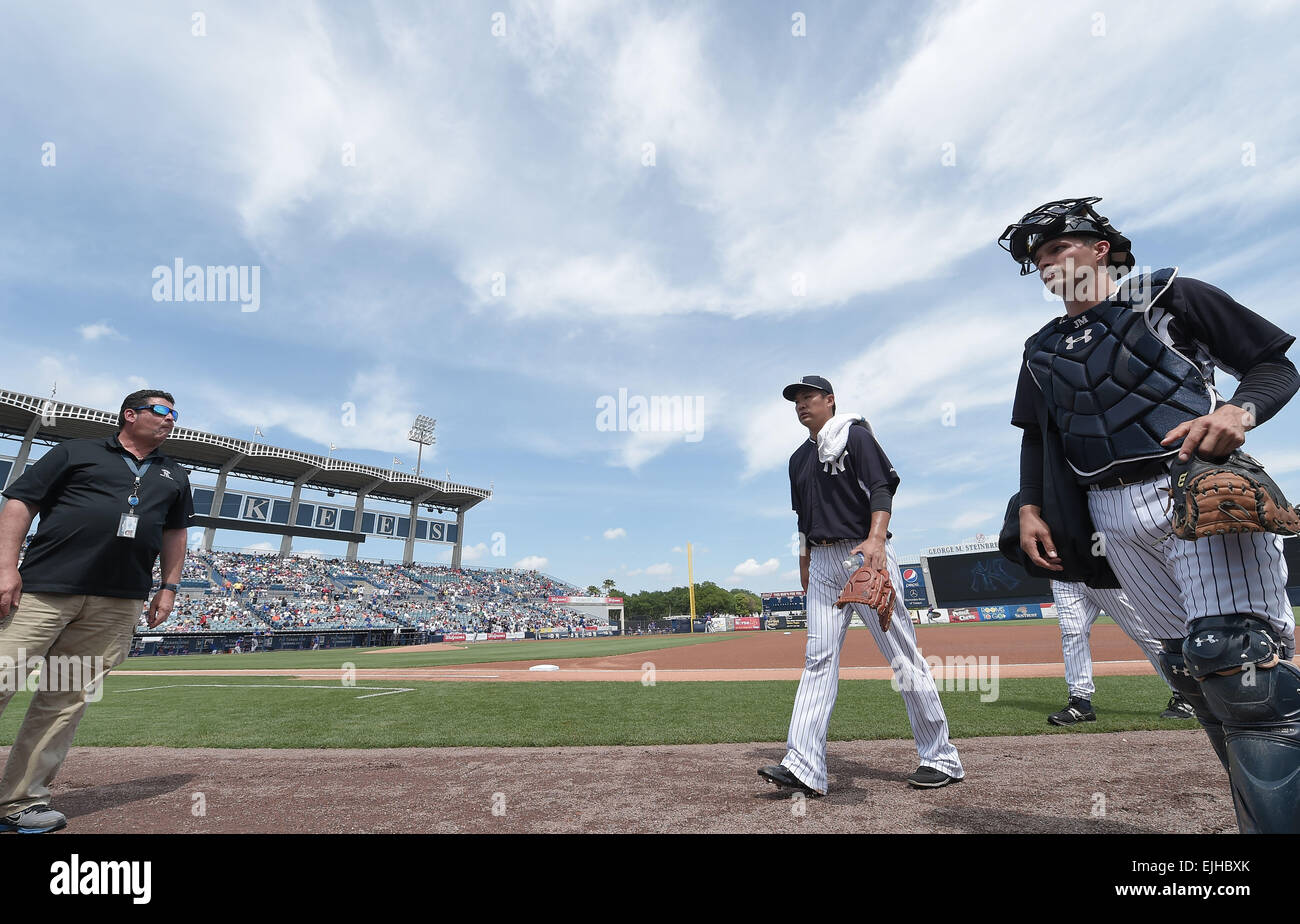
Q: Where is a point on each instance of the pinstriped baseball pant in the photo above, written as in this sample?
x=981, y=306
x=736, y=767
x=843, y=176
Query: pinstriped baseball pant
x=1077, y=608
x=1172, y=581
x=815, y=700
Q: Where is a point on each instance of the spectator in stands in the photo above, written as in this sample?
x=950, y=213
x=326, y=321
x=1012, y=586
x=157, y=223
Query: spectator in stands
x=108, y=508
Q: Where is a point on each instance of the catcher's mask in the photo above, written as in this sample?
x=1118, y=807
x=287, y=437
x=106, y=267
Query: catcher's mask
x=1056, y=219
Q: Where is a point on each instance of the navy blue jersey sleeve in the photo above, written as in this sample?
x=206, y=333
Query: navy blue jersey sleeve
x=872, y=465
x=794, y=490
x=1235, y=337
x=1031, y=467
x=178, y=515
x=1024, y=412
x=38, y=484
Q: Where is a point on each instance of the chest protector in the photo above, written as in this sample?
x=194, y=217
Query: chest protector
x=1113, y=388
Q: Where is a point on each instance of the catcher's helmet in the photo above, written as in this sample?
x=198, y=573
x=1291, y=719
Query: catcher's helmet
x=1056, y=219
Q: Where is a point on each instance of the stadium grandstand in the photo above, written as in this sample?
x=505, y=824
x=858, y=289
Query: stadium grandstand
x=44, y=421
x=236, y=600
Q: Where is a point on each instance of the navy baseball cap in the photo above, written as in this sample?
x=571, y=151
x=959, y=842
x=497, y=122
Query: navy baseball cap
x=808, y=381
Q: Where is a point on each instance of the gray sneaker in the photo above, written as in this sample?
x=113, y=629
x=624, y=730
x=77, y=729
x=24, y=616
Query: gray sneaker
x=36, y=819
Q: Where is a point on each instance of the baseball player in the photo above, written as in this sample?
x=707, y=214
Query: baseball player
x=842, y=488
x=1116, y=388
x=1077, y=608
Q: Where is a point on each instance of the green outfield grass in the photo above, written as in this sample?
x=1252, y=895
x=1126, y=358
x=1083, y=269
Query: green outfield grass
x=524, y=650
x=272, y=712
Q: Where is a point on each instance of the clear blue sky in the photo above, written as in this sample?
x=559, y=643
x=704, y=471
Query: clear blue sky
x=688, y=200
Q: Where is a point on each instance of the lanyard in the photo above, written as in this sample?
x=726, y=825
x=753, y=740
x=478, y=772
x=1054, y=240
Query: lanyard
x=139, y=471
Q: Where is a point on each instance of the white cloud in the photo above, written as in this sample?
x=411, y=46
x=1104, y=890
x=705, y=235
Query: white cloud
x=474, y=552
x=35, y=373
x=973, y=518
x=1278, y=463
x=871, y=384
x=751, y=568
x=383, y=408
x=97, y=331
x=531, y=563
x=617, y=532
x=912, y=499
x=757, y=172
x=638, y=447
x=661, y=570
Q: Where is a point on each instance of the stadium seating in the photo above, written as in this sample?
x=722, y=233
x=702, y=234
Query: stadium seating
x=243, y=592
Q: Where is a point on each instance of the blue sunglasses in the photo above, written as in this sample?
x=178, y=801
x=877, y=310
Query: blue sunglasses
x=161, y=410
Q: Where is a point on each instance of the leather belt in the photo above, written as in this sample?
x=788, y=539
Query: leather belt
x=1153, y=468
x=828, y=541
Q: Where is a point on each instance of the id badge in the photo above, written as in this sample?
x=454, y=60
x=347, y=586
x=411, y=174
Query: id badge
x=126, y=526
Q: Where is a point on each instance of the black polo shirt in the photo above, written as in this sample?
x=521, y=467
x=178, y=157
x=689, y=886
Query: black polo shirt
x=81, y=487
x=835, y=500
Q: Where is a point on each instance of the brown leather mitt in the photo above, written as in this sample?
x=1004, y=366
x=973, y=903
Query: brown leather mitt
x=871, y=587
x=1232, y=495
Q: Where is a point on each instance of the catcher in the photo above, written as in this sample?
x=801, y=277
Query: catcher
x=1111, y=396
x=842, y=487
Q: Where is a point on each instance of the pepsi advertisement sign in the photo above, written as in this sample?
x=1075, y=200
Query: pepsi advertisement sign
x=914, y=595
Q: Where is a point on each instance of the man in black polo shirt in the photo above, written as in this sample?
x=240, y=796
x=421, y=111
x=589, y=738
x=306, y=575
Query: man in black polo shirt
x=842, y=487
x=107, y=509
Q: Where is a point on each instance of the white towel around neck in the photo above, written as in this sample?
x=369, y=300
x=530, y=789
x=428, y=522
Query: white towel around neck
x=834, y=436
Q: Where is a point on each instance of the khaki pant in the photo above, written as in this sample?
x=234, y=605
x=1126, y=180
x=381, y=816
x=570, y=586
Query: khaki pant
x=65, y=627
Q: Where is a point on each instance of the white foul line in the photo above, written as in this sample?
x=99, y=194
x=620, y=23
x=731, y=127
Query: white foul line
x=388, y=691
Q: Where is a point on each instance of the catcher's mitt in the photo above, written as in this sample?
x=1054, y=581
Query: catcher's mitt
x=1232, y=495
x=871, y=587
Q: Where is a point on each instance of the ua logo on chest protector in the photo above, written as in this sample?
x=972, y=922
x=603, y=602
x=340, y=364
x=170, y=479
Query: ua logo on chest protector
x=1115, y=390
x=1086, y=338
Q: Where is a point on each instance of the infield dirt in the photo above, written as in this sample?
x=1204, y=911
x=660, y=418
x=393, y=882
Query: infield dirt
x=1125, y=782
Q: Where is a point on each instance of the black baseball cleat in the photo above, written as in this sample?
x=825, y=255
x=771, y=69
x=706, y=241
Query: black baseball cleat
x=781, y=776
x=1178, y=708
x=1075, y=711
x=930, y=778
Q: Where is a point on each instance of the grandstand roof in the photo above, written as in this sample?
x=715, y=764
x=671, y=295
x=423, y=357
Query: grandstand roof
x=210, y=452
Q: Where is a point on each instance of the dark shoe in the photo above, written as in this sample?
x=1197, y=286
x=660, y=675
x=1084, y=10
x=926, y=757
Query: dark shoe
x=1075, y=711
x=780, y=775
x=35, y=819
x=1178, y=708
x=930, y=778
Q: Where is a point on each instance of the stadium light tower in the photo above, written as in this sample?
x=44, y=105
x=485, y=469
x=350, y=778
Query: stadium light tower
x=422, y=433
